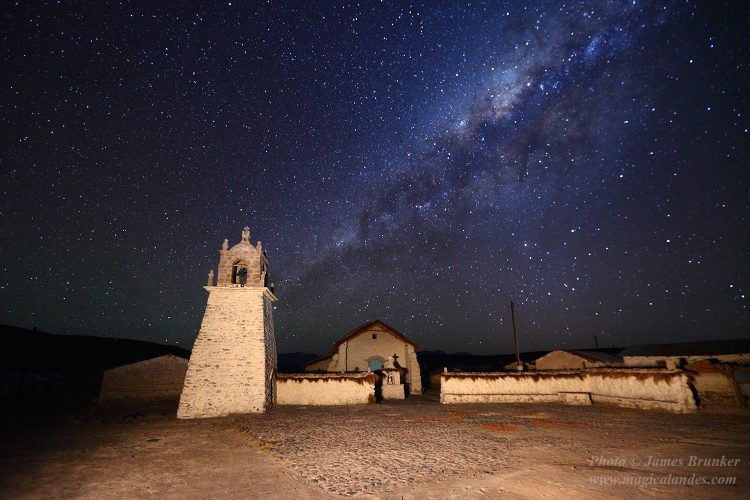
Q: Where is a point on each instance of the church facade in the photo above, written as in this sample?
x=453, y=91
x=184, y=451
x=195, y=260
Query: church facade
x=368, y=348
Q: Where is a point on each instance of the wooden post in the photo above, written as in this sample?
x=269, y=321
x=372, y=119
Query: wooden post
x=519, y=367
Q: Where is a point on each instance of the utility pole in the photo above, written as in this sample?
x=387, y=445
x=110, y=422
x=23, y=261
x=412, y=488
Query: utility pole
x=519, y=367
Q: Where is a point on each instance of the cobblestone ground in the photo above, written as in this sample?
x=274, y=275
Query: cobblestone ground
x=380, y=448
x=350, y=450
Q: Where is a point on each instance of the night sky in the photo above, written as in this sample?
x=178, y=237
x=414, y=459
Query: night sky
x=420, y=163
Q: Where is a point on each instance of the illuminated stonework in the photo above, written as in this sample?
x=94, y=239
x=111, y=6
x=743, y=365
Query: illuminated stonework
x=233, y=363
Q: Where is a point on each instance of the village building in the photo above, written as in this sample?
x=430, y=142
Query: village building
x=577, y=360
x=153, y=380
x=513, y=366
x=368, y=348
x=233, y=365
x=720, y=369
x=724, y=351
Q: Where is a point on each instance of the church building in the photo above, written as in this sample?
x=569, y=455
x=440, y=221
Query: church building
x=368, y=347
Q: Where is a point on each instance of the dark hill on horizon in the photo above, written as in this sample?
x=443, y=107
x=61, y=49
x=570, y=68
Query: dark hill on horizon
x=465, y=361
x=34, y=350
x=294, y=362
x=39, y=362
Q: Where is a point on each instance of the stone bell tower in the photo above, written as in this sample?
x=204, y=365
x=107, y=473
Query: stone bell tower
x=233, y=363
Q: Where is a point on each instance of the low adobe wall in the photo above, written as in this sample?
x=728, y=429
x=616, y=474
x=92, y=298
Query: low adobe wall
x=648, y=389
x=156, y=379
x=714, y=381
x=325, y=389
x=714, y=387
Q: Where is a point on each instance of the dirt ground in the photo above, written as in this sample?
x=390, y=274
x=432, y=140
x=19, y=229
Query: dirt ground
x=416, y=448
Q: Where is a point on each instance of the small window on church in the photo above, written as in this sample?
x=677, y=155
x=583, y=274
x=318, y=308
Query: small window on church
x=374, y=336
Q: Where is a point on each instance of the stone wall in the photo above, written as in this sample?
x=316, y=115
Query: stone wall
x=234, y=357
x=435, y=380
x=713, y=381
x=325, y=389
x=271, y=361
x=648, y=389
x=157, y=379
x=250, y=258
x=679, y=360
x=714, y=387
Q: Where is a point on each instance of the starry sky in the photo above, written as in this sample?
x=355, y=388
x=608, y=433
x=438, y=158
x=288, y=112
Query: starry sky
x=422, y=163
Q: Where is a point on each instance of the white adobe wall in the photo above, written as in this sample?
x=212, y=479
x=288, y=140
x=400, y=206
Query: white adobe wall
x=233, y=362
x=648, y=389
x=507, y=387
x=655, y=360
x=415, y=374
x=155, y=379
x=665, y=390
x=713, y=382
x=325, y=389
x=602, y=364
x=714, y=386
x=435, y=380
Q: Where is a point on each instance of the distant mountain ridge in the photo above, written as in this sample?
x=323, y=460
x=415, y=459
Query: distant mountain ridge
x=37, y=351
x=294, y=362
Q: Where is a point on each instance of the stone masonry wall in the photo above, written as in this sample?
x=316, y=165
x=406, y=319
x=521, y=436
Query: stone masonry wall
x=271, y=363
x=326, y=389
x=678, y=360
x=157, y=379
x=647, y=389
x=415, y=375
x=233, y=357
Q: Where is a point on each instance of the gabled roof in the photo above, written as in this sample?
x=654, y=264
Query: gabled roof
x=368, y=326
x=316, y=360
x=166, y=358
x=361, y=329
x=593, y=356
x=701, y=348
x=600, y=357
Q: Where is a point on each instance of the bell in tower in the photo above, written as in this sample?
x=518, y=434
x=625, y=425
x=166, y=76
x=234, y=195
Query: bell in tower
x=243, y=264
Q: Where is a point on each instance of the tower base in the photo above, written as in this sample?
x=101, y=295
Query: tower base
x=233, y=363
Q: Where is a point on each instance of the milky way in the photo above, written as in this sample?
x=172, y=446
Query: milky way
x=423, y=164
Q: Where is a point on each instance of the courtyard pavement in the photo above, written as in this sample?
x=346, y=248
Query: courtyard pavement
x=410, y=449
x=403, y=446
